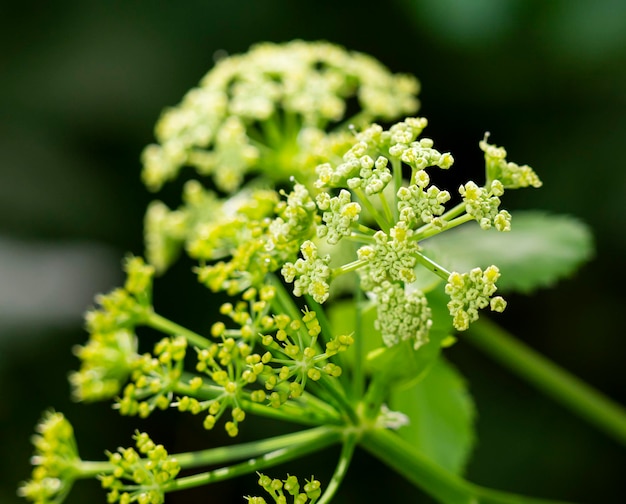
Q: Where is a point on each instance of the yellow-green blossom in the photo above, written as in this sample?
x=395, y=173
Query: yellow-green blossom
x=140, y=479
x=510, y=175
x=55, y=461
x=308, y=493
x=470, y=292
x=248, y=111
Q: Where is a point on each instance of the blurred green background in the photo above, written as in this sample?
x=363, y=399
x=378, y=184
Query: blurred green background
x=81, y=85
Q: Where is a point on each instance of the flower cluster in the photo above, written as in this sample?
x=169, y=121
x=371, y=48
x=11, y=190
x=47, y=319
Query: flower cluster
x=483, y=205
x=147, y=475
x=267, y=359
x=125, y=307
x=248, y=112
x=108, y=357
x=290, y=186
x=153, y=378
x=392, y=257
x=469, y=292
x=56, y=461
x=339, y=215
x=401, y=315
x=416, y=205
x=279, y=489
x=310, y=272
x=510, y=175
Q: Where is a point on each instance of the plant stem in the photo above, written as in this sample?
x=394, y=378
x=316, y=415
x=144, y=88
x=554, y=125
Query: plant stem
x=442, y=485
x=160, y=323
x=358, y=371
x=325, y=437
x=428, y=263
x=240, y=451
x=553, y=380
x=89, y=469
x=308, y=410
x=381, y=220
x=345, y=457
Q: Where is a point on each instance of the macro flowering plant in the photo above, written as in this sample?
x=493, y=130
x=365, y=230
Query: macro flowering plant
x=347, y=274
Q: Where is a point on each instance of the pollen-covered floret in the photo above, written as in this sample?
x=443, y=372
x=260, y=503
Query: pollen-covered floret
x=55, y=461
x=470, y=292
x=483, y=205
x=511, y=175
x=392, y=257
x=310, y=273
x=308, y=493
x=140, y=479
x=339, y=215
x=402, y=316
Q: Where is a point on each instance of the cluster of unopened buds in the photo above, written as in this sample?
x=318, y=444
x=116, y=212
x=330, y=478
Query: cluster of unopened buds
x=295, y=206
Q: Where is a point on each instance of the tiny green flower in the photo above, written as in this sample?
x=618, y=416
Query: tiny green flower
x=153, y=378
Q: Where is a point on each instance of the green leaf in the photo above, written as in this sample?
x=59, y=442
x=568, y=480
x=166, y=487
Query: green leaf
x=539, y=250
x=441, y=414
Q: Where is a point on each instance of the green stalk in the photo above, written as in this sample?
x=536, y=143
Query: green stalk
x=551, y=379
x=437, y=482
x=431, y=265
x=389, y=215
x=381, y=220
x=396, y=170
x=315, y=412
x=455, y=211
x=160, y=323
x=338, y=395
x=325, y=437
x=283, y=301
x=350, y=267
x=358, y=371
x=429, y=230
x=327, y=334
x=224, y=454
x=90, y=469
x=341, y=470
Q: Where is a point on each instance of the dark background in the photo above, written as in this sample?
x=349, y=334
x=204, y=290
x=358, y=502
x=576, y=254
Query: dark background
x=81, y=86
